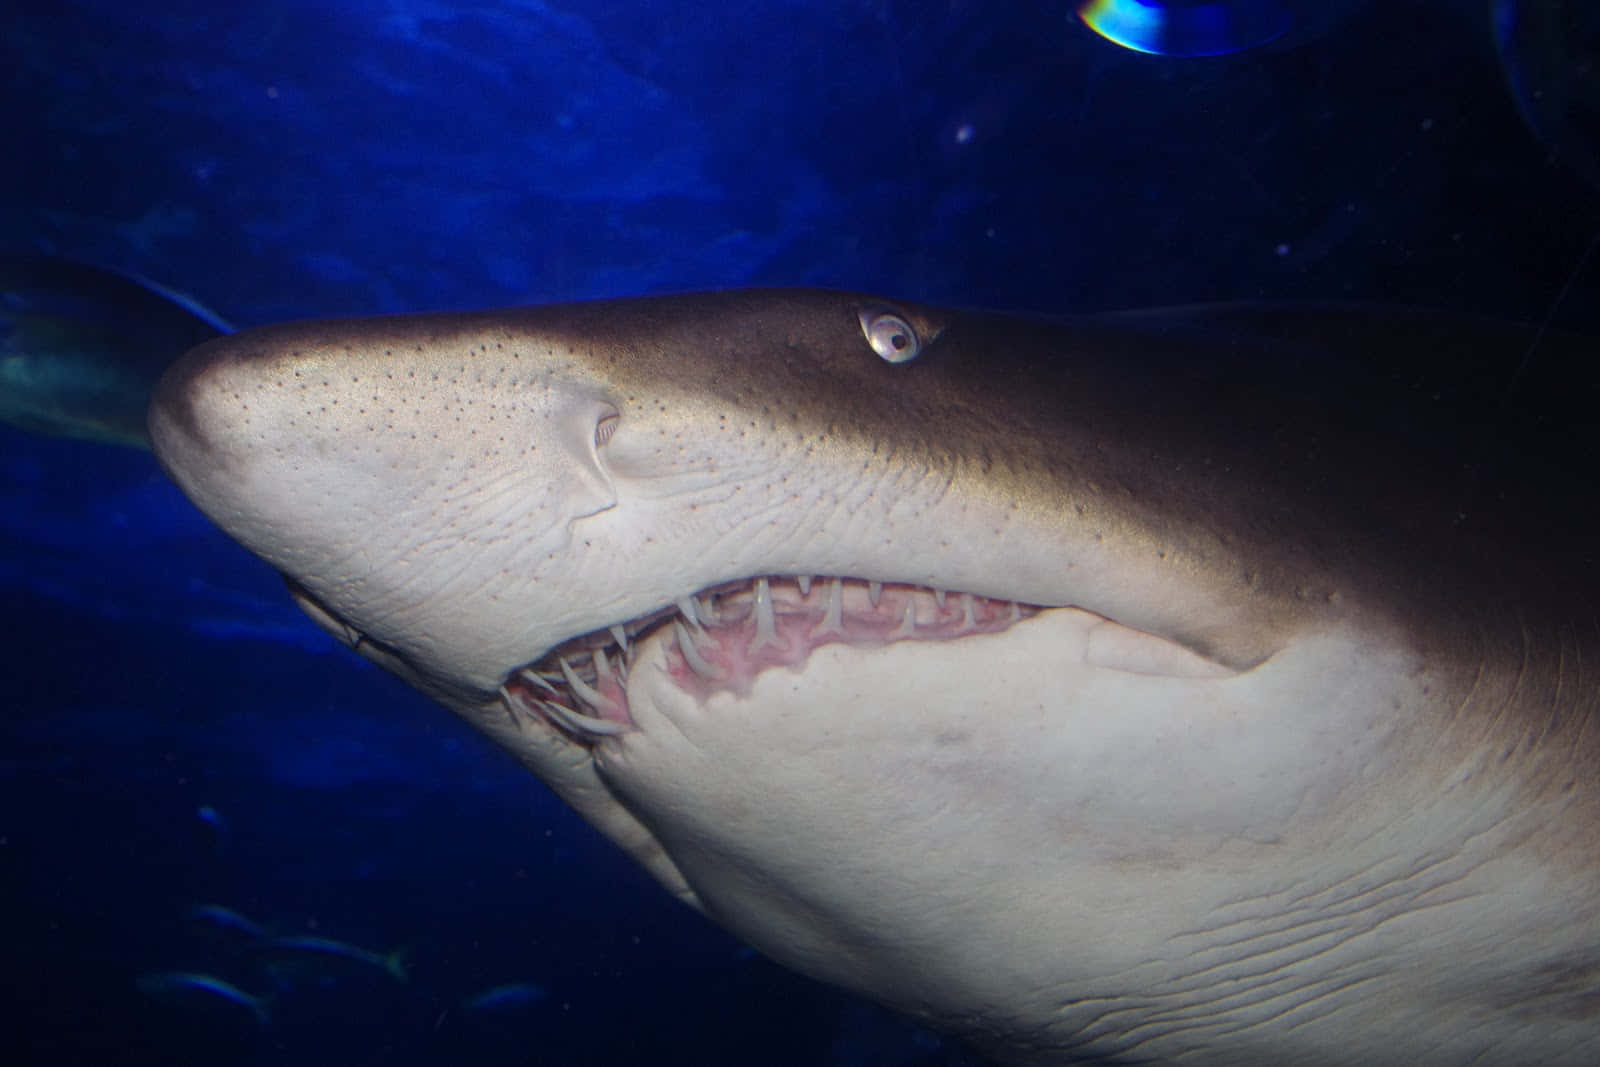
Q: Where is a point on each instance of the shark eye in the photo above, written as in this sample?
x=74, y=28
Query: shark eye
x=890, y=335
x=606, y=427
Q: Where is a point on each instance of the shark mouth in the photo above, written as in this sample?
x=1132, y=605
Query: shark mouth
x=722, y=637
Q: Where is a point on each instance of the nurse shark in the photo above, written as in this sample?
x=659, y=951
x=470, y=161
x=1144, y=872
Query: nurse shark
x=1125, y=688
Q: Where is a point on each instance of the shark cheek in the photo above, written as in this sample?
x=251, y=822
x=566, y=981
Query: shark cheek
x=842, y=817
x=838, y=817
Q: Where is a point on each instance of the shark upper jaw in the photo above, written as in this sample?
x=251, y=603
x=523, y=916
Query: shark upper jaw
x=721, y=638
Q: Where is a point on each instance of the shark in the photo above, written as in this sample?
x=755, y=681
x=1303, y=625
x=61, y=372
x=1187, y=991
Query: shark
x=1196, y=685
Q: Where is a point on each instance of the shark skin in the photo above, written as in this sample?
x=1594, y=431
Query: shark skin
x=1121, y=689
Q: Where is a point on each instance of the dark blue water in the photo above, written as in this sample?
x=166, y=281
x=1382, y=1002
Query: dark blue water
x=176, y=735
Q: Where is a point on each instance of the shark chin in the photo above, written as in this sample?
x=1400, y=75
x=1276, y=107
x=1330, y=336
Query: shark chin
x=1134, y=688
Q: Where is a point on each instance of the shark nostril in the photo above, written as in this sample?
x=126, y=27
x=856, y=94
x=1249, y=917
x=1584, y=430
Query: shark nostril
x=605, y=428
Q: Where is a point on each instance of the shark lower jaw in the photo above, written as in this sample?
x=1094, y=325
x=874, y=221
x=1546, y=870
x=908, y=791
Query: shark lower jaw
x=723, y=636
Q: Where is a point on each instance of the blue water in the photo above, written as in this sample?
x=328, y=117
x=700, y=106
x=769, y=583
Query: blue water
x=177, y=735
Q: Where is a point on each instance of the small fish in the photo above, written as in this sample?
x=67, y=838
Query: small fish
x=219, y=826
x=182, y=983
x=502, y=997
x=82, y=347
x=227, y=919
x=391, y=963
x=1195, y=28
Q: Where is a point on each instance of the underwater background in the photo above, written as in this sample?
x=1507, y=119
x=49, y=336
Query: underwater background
x=224, y=840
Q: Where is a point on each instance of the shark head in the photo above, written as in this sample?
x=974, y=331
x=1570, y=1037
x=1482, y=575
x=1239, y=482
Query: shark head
x=470, y=492
x=1020, y=675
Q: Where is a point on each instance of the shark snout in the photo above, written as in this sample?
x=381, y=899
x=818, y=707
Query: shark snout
x=412, y=477
x=171, y=402
x=194, y=411
x=263, y=433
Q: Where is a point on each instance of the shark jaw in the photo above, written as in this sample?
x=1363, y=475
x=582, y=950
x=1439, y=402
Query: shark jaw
x=719, y=639
x=1012, y=674
x=722, y=637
